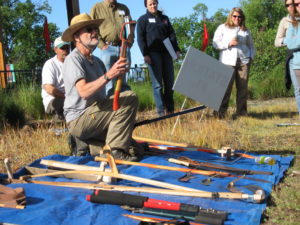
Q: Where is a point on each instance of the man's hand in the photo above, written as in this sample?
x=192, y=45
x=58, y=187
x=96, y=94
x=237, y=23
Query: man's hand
x=51, y=90
x=119, y=68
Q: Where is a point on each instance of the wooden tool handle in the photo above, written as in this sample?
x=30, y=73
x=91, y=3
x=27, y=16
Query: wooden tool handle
x=116, y=105
x=172, y=160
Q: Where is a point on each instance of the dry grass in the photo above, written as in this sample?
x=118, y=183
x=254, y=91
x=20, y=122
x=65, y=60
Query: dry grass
x=256, y=133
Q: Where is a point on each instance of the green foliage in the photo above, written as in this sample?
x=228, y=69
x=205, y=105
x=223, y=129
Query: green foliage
x=267, y=72
x=144, y=92
x=10, y=112
x=267, y=56
x=263, y=14
x=20, y=103
x=28, y=97
x=22, y=23
x=272, y=85
x=13, y=114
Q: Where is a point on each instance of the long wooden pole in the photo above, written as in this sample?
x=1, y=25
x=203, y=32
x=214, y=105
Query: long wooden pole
x=119, y=176
x=183, y=146
x=2, y=59
x=154, y=166
x=150, y=140
x=257, y=197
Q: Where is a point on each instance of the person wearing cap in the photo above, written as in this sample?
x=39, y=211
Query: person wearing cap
x=114, y=14
x=88, y=111
x=53, y=91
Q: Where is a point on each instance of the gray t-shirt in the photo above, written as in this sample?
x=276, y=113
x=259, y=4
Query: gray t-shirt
x=76, y=67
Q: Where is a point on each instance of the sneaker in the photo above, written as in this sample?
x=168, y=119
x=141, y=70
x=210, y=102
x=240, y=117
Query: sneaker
x=119, y=154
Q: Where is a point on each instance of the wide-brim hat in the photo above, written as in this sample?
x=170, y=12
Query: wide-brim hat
x=78, y=22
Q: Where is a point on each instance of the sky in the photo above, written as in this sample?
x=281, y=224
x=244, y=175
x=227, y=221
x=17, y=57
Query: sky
x=172, y=8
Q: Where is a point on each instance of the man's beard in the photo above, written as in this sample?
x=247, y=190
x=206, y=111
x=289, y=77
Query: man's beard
x=92, y=44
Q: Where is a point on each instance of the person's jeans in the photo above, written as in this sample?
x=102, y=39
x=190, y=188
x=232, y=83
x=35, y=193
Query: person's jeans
x=294, y=75
x=109, y=56
x=162, y=75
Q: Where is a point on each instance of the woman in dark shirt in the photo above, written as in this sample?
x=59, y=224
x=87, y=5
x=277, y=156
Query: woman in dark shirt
x=152, y=29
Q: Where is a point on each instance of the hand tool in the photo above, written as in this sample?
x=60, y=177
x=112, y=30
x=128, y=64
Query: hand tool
x=123, y=51
x=224, y=174
x=157, y=220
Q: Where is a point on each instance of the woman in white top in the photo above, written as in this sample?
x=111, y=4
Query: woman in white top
x=236, y=47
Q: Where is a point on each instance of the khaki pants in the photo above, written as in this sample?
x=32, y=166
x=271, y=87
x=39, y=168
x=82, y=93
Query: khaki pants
x=56, y=107
x=101, y=123
x=240, y=76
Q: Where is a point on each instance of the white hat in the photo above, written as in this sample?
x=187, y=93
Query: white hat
x=78, y=22
x=58, y=43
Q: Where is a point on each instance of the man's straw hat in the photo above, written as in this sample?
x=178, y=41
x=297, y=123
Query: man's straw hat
x=78, y=22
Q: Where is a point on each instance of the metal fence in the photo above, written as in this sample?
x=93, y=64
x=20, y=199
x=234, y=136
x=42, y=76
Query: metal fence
x=13, y=77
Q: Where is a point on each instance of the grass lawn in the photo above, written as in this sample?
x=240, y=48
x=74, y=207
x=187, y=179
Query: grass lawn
x=257, y=132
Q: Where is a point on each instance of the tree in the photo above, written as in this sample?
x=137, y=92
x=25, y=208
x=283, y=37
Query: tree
x=262, y=14
x=262, y=18
x=189, y=30
x=22, y=23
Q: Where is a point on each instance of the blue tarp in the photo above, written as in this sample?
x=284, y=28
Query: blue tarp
x=62, y=205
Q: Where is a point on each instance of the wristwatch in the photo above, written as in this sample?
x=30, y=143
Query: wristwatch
x=106, y=77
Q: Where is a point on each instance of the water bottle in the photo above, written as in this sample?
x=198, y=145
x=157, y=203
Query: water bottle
x=265, y=160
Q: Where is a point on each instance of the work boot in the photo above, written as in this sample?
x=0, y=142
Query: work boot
x=137, y=149
x=77, y=146
x=119, y=154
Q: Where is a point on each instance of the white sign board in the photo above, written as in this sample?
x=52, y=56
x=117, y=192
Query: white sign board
x=203, y=78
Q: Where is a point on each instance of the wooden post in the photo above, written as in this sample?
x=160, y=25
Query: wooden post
x=2, y=60
x=72, y=10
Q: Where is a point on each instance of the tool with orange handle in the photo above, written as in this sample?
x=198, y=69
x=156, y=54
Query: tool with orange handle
x=123, y=55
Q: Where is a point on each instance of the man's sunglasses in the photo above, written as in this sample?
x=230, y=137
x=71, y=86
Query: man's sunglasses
x=90, y=29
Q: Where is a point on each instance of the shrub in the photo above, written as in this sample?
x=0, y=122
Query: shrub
x=28, y=97
x=271, y=85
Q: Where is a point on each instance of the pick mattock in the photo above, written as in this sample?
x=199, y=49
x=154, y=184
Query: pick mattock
x=123, y=55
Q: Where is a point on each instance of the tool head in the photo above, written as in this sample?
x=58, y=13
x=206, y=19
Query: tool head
x=259, y=196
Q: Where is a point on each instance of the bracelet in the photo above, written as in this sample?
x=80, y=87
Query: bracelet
x=106, y=77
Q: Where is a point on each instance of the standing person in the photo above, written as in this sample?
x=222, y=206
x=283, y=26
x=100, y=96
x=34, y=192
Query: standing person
x=152, y=29
x=53, y=90
x=235, y=43
x=114, y=14
x=87, y=110
x=280, y=41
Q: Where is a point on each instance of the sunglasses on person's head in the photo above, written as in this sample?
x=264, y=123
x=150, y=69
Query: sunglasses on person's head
x=235, y=16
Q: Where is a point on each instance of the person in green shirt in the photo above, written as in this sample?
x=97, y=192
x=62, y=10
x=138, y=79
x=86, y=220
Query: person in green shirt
x=114, y=15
